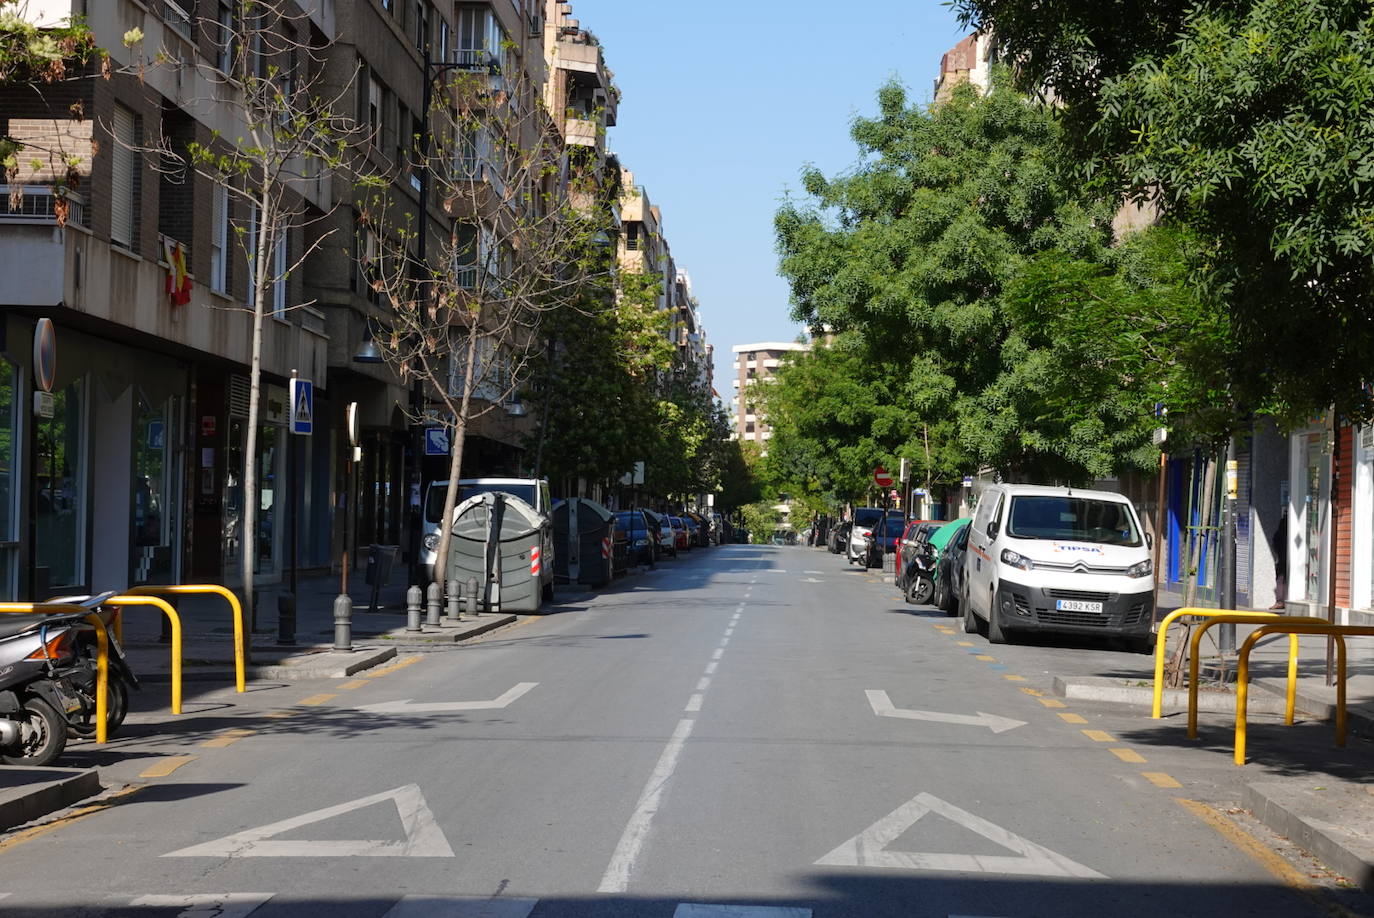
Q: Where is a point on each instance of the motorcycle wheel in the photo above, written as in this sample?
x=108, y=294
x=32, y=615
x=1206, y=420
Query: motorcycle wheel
x=117, y=708
x=42, y=735
x=920, y=590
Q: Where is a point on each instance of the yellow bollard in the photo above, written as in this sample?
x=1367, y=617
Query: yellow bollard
x=167, y=610
x=235, y=609
x=1243, y=618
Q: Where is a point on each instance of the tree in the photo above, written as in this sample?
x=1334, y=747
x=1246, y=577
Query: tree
x=909, y=256
x=1247, y=122
x=288, y=129
x=521, y=243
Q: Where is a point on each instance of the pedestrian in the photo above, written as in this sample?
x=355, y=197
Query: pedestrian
x=1280, y=545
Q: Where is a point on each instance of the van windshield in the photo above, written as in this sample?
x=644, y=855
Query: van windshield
x=867, y=516
x=1073, y=519
x=434, y=500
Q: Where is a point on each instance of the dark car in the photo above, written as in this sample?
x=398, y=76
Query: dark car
x=701, y=533
x=839, y=537
x=639, y=535
x=883, y=537
x=620, y=549
x=949, y=581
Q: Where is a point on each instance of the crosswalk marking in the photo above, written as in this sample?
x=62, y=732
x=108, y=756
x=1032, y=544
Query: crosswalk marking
x=461, y=907
x=222, y=905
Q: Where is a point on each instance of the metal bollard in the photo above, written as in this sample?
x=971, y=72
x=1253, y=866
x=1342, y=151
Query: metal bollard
x=413, y=599
x=455, y=601
x=434, y=603
x=472, y=597
x=343, y=622
x=286, y=618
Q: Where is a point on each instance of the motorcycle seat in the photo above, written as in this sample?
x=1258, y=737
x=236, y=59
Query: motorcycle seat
x=10, y=625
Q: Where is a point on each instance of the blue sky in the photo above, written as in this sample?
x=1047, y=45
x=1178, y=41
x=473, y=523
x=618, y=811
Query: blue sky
x=725, y=102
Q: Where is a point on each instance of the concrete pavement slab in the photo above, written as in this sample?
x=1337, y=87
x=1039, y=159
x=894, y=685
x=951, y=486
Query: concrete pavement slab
x=1139, y=692
x=27, y=794
x=1331, y=818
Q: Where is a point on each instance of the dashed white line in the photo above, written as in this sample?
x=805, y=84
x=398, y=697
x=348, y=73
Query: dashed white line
x=617, y=876
x=694, y=703
x=729, y=631
x=711, y=668
x=704, y=683
x=724, y=641
x=717, y=653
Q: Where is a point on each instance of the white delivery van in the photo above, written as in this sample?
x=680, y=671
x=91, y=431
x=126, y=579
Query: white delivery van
x=1058, y=559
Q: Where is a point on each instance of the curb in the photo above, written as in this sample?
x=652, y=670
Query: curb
x=44, y=791
x=1116, y=691
x=1315, y=819
x=439, y=640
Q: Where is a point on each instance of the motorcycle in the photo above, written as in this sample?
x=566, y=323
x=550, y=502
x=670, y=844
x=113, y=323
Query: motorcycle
x=48, y=683
x=919, y=577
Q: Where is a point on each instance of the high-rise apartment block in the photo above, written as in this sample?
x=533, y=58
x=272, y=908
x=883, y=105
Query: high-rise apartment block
x=755, y=364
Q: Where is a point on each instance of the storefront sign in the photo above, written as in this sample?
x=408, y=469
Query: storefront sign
x=45, y=355
x=207, y=425
x=44, y=405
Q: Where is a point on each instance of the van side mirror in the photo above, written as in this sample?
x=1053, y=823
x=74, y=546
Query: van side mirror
x=992, y=529
x=1149, y=540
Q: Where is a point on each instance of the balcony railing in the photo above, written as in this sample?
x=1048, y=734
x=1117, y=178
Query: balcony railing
x=40, y=204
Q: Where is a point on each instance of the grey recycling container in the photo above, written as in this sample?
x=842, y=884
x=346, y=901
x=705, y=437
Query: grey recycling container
x=500, y=540
x=584, y=535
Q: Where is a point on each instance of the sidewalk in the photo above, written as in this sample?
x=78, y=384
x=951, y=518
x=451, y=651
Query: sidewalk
x=1326, y=810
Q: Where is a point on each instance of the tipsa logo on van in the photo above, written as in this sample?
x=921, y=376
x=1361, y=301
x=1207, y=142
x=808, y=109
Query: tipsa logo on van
x=1078, y=549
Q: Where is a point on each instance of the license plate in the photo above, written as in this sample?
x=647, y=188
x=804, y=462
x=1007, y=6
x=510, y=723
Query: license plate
x=1074, y=605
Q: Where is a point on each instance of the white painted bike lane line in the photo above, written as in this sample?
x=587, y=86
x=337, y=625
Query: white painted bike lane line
x=616, y=879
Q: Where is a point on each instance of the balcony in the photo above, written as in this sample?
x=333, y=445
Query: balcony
x=583, y=132
x=579, y=55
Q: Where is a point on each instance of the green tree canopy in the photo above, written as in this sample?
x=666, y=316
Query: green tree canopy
x=1248, y=122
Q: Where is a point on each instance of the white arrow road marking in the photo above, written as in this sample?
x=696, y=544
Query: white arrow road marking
x=225, y=905
x=461, y=907
x=423, y=838
x=810, y=580
x=868, y=848
x=404, y=706
x=883, y=707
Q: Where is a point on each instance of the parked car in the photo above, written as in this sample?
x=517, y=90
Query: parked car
x=939, y=542
x=883, y=540
x=682, y=539
x=638, y=534
x=667, y=535
x=700, y=528
x=839, y=537
x=1058, y=559
x=862, y=528
x=949, y=586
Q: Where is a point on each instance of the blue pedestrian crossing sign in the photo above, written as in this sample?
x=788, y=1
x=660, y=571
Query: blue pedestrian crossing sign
x=436, y=441
x=302, y=406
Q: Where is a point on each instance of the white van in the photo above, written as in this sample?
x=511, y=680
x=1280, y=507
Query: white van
x=532, y=491
x=1058, y=559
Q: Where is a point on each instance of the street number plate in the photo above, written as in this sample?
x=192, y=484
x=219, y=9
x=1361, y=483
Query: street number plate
x=1074, y=605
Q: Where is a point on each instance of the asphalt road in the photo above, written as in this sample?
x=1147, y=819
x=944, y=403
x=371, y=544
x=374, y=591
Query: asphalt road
x=750, y=731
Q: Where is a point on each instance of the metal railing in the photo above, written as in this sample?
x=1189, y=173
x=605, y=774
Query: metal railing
x=203, y=589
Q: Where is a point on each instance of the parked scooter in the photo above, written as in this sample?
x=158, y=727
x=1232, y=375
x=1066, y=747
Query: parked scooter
x=48, y=680
x=919, y=577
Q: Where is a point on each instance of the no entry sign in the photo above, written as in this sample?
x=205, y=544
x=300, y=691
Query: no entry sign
x=881, y=478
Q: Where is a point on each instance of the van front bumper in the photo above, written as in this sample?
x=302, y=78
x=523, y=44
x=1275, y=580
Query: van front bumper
x=1027, y=608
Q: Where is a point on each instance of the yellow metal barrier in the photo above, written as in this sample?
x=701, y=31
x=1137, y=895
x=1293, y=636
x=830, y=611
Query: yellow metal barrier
x=121, y=601
x=1161, y=646
x=102, y=655
x=1243, y=671
x=1245, y=618
x=189, y=589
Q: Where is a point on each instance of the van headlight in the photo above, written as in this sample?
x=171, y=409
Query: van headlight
x=431, y=541
x=1020, y=562
x=1143, y=569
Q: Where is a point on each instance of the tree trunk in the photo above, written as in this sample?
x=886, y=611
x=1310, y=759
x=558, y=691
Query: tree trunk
x=248, y=553
x=455, y=468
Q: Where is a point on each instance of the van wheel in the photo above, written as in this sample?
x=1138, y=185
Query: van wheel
x=1140, y=643
x=995, y=633
x=970, y=619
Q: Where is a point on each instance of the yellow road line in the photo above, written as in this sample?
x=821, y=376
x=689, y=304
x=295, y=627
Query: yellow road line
x=279, y=714
x=1052, y=702
x=1031, y=691
x=28, y=834
x=985, y=658
x=1159, y=779
x=1073, y=718
x=1129, y=755
x=1269, y=859
x=963, y=643
x=166, y=766
x=314, y=700
x=394, y=667
x=227, y=738
x=1015, y=679
x=1099, y=736
x=356, y=683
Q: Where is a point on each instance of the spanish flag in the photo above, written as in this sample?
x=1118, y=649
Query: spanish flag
x=178, y=278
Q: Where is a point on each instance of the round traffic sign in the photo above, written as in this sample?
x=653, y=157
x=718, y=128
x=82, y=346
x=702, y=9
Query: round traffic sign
x=881, y=478
x=45, y=354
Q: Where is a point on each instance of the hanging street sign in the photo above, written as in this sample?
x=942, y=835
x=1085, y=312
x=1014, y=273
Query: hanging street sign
x=436, y=441
x=302, y=406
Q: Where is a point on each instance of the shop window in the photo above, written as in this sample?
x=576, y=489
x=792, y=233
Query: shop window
x=60, y=493
x=9, y=515
x=153, y=516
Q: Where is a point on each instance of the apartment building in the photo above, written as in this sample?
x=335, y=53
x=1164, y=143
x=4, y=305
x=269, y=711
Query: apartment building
x=755, y=364
x=970, y=61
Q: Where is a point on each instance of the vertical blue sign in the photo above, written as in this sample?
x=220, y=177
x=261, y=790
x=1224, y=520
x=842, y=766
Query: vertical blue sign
x=302, y=406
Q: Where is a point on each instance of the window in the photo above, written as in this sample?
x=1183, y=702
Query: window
x=279, y=269
x=225, y=39
x=376, y=92
x=124, y=180
x=177, y=18
x=445, y=41
x=480, y=38
x=250, y=248
x=219, y=239
x=419, y=26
